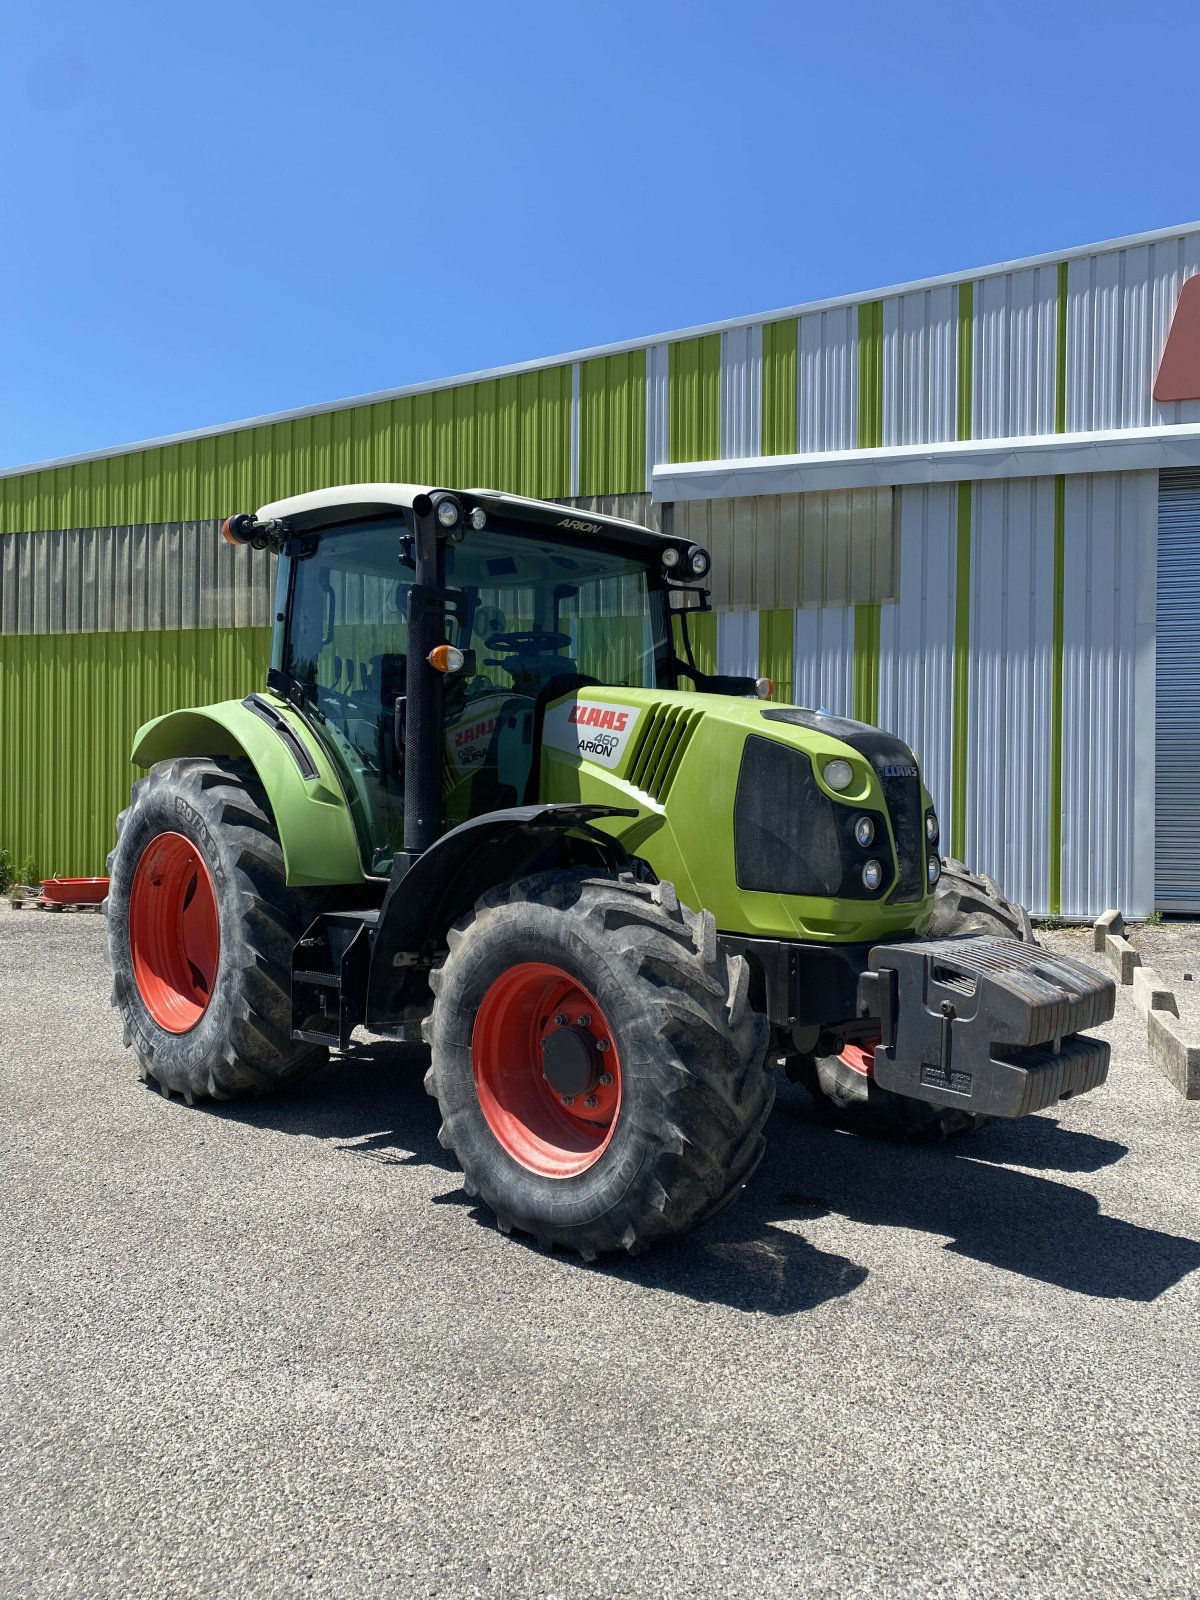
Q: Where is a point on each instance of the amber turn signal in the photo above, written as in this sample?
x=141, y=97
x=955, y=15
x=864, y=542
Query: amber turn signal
x=445, y=658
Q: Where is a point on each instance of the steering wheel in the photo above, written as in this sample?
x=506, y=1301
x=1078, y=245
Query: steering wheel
x=528, y=642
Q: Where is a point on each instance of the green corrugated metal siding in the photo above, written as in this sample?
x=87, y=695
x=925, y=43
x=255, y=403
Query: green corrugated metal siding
x=779, y=435
x=694, y=387
x=509, y=433
x=69, y=707
x=870, y=375
x=776, y=651
x=612, y=424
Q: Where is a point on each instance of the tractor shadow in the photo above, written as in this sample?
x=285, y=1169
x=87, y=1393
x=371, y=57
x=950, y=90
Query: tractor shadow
x=754, y=1257
x=965, y=1192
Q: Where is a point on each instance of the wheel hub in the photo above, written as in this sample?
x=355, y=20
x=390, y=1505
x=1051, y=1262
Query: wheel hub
x=546, y=1069
x=570, y=1061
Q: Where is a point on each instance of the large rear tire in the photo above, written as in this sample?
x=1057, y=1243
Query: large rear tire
x=201, y=925
x=598, y=1068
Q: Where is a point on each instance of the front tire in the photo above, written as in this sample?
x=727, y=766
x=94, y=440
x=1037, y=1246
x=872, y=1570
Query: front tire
x=967, y=902
x=201, y=925
x=554, y=984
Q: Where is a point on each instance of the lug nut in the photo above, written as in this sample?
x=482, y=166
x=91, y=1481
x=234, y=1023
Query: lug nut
x=591, y=1102
x=585, y=1020
x=605, y=1079
x=560, y=1021
x=567, y=1099
x=602, y=1045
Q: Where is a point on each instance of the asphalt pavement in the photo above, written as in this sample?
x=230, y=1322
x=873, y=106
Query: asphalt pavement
x=274, y=1349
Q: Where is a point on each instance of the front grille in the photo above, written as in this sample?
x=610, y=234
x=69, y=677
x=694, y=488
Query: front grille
x=789, y=837
x=902, y=794
x=896, y=768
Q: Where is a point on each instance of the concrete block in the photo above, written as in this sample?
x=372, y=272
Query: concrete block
x=1175, y=1056
x=1108, y=922
x=1150, y=993
x=1121, y=957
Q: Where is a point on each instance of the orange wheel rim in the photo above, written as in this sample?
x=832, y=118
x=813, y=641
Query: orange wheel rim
x=546, y=1068
x=174, y=932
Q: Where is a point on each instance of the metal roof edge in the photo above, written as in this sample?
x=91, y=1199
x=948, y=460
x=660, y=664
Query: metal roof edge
x=955, y=461
x=617, y=347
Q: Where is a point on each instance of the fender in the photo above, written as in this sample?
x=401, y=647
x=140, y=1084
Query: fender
x=310, y=810
x=449, y=877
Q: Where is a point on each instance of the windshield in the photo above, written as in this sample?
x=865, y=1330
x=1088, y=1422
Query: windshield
x=539, y=609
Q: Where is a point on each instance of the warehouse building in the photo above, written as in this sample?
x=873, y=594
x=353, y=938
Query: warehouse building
x=966, y=508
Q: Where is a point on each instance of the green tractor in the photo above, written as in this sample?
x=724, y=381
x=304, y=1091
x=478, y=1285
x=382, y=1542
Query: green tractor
x=487, y=799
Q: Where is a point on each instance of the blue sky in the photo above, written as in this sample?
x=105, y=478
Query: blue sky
x=210, y=211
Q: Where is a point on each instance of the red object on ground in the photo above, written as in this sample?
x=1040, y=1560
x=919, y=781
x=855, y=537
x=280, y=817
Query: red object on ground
x=174, y=932
x=554, y=1134
x=74, y=891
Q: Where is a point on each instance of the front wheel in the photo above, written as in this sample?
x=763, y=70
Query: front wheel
x=846, y=1094
x=965, y=904
x=599, y=1071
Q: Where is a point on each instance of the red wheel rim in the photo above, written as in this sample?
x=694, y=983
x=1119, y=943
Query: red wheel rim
x=551, y=1133
x=859, y=1056
x=174, y=932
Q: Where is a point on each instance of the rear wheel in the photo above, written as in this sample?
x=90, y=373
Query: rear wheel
x=599, y=1071
x=200, y=929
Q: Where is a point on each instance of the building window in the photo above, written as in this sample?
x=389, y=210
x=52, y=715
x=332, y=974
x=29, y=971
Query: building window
x=795, y=550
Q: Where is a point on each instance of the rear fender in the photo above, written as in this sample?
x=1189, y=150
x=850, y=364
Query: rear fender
x=306, y=799
x=449, y=878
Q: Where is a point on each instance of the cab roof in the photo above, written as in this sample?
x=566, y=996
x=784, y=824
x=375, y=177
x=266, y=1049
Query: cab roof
x=323, y=508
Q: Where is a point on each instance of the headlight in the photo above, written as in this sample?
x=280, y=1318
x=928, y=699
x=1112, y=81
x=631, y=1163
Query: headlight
x=698, y=561
x=670, y=557
x=479, y=519
x=931, y=827
x=864, y=831
x=448, y=512
x=935, y=870
x=838, y=774
x=872, y=875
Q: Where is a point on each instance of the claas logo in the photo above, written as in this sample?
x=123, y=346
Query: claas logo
x=599, y=717
x=479, y=730
x=1179, y=370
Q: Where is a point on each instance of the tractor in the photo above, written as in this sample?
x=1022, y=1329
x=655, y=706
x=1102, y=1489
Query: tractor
x=488, y=800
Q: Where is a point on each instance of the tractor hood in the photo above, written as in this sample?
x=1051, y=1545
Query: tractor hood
x=823, y=821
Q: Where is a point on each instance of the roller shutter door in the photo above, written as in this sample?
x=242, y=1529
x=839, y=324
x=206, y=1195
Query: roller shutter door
x=1177, y=735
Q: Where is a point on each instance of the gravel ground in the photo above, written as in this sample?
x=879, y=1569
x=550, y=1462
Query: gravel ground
x=275, y=1350
x=1173, y=950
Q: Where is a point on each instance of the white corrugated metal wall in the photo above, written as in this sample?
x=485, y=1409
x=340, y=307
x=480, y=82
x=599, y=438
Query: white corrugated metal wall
x=1119, y=307
x=916, y=679
x=1008, y=720
x=919, y=365
x=1108, y=693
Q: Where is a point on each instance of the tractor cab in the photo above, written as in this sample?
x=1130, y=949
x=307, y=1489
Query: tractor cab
x=533, y=602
